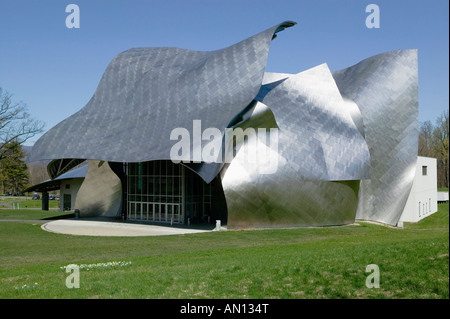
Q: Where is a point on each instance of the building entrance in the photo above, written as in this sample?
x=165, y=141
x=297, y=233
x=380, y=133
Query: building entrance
x=158, y=212
x=161, y=191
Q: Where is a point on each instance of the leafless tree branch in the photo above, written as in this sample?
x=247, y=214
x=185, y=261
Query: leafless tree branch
x=15, y=123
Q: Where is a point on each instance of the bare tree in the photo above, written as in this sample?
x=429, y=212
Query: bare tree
x=38, y=172
x=441, y=148
x=426, y=139
x=15, y=123
x=434, y=142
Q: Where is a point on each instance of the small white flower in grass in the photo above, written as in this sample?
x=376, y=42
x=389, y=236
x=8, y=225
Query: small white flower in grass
x=107, y=265
x=25, y=286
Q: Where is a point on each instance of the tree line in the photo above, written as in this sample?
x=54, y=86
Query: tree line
x=16, y=127
x=433, y=142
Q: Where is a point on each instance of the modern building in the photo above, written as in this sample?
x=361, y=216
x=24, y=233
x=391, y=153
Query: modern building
x=422, y=200
x=68, y=184
x=180, y=136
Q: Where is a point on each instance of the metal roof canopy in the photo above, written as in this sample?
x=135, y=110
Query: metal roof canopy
x=51, y=185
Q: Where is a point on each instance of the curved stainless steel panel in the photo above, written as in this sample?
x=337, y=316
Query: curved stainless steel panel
x=147, y=92
x=318, y=142
x=334, y=129
x=318, y=135
x=283, y=198
x=100, y=193
x=385, y=88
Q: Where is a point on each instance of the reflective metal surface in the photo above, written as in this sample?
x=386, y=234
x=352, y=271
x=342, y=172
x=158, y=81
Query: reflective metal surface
x=318, y=142
x=283, y=198
x=327, y=147
x=100, y=193
x=318, y=136
x=147, y=92
x=385, y=88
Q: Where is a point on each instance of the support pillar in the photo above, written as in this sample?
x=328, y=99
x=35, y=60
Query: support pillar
x=45, y=201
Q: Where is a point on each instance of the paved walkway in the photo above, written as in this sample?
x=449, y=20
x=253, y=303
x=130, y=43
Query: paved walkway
x=113, y=228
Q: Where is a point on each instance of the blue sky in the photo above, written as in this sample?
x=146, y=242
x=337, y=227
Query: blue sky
x=55, y=70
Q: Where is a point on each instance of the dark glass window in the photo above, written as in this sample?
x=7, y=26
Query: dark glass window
x=424, y=170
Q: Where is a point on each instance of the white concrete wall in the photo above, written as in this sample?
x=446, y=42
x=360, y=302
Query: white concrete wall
x=74, y=186
x=422, y=200
x=442, y=196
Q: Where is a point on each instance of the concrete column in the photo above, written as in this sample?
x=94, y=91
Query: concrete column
x=44, y=200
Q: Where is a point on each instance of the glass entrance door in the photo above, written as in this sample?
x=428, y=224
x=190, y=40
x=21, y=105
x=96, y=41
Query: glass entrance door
x=157, y=212
x=162, y=191
x=155, y=191
x=172, y=213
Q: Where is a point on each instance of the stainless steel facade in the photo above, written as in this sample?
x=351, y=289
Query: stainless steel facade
x=342, y=147
x=385, y=88
x=320, y=156
x=100, y=193
x=147, y=92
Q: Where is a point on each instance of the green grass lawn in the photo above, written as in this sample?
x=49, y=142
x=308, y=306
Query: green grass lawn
x=277, y=263
x=30, y=214
x=25, y=202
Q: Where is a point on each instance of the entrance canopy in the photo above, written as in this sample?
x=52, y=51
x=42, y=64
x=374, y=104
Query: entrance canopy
x=55, y=184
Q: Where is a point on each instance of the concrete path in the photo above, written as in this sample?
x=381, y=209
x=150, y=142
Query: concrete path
x=107, y=228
